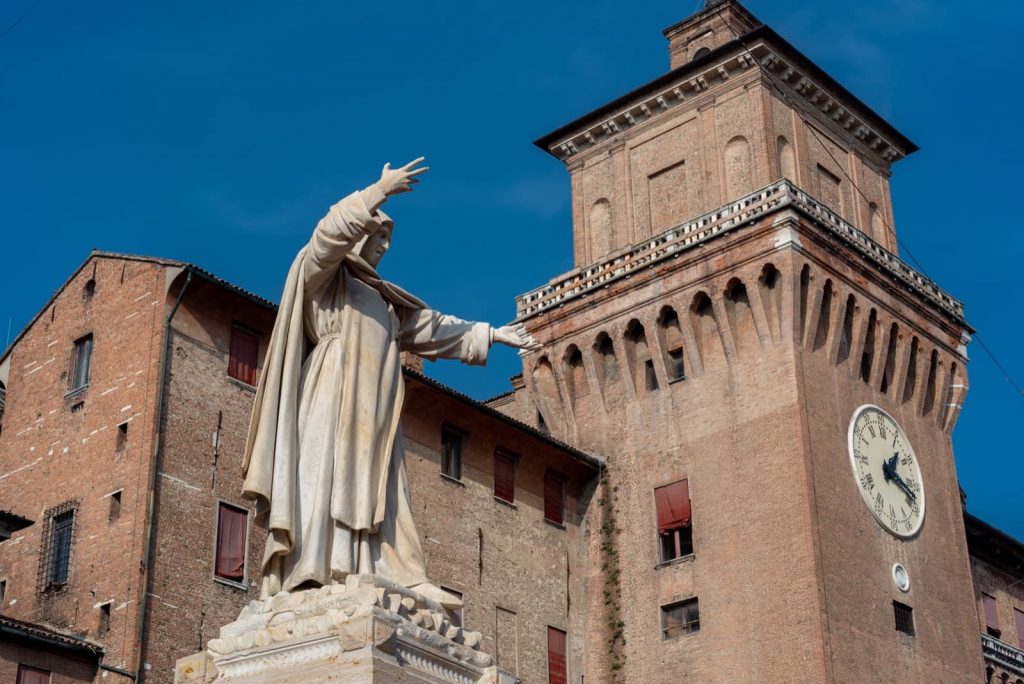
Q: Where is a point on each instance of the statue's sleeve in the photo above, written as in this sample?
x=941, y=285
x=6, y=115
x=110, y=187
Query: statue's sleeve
x=338, y=233
x=434, y=335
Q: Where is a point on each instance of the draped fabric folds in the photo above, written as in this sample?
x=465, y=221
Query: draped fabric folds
x=324, y=456
x=673, y=504
x=231, y=524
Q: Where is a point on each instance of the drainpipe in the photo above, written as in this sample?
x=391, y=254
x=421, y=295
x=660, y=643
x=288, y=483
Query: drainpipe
x=154, y=459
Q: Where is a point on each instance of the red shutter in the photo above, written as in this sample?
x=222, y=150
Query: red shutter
x=242, y=361
x=504, y=477
x=1018, y=616
x=557, y=672
x=32, y=675
x=991, y=613
x=554, y=498
x=231, y=526
x=673, y=504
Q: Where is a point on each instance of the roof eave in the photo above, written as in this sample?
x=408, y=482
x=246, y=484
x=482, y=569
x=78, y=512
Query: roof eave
x=906, y=145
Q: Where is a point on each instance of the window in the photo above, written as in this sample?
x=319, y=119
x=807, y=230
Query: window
x=904, y=618
x=104, y=626
x=677, y=365
x=505, y=476
x=32, y=675
x=650, y=377
x=57, y=559
x=991, y=615
x=1018, y=617
x=115, y=506
x=81, y=363
x=680, y=618
x=231, y=531
x=3, y=590
x=122, y=438
x=675, y=532
x=557, y=671
x=554, y=498
x=451, y=453
x=242, y=358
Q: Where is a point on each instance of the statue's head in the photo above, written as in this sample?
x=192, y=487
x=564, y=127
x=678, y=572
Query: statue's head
x=376, y=244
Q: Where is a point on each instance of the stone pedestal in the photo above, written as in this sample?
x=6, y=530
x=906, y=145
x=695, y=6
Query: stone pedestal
x=366, y=630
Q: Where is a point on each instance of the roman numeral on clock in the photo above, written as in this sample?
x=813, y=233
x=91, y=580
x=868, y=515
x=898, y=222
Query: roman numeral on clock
x=867, y=481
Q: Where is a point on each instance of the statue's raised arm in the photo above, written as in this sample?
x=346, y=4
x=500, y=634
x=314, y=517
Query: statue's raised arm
x=334, y=491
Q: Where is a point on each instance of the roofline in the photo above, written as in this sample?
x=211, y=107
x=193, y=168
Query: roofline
x=1000, y=537
x=908, y=147
x=172, y=263
x=15, y=518
x=39, y=633
x=590, y=460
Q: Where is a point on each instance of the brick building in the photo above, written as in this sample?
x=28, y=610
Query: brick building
x=126, y=544
x=736, y=301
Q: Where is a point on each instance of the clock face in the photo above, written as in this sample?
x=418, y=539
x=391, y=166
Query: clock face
x=886, y=471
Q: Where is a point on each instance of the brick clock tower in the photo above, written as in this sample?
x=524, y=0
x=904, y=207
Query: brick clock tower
x=772, y=386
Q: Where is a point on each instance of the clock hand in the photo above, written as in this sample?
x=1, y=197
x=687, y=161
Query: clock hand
x=890, y=474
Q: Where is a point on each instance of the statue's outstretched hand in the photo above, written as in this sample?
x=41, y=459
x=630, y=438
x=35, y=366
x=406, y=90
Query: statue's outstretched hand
x=516, y=336
x=395, y=181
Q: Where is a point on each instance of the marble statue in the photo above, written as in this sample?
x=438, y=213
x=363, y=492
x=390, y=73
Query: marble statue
x=324, y=456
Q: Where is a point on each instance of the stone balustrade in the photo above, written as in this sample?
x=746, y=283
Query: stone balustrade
x=732, y=216
x=1002, y=654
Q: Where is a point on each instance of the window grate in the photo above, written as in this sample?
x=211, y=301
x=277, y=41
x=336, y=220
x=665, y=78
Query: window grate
x=58, y=539
x=904, y=618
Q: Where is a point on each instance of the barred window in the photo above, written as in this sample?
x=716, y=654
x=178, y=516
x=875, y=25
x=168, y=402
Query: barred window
x=904, y=618
x=55, y=561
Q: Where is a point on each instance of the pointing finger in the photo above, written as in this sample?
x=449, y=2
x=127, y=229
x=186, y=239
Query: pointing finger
x=414, y=162
x=416, y=172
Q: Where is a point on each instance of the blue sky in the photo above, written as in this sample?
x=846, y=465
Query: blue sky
x=218, y=133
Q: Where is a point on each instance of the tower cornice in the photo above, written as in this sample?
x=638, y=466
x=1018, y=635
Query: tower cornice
x=760, y=48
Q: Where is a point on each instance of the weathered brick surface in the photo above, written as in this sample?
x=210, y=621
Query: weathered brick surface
x=187, y=603
x=52, y=451
x=499, y=556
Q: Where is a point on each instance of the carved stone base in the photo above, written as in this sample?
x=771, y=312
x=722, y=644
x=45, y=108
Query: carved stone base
x=366, y=630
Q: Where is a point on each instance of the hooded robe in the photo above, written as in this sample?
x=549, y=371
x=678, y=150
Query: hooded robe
x=324, y=456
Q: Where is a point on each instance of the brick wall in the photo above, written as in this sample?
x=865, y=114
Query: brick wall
x=56, y=448
x=187, y=603
x=786, y=556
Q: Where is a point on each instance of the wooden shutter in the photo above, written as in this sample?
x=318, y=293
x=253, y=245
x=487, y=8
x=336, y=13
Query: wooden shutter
x=231, y=525
x=242, y=358
x=32, y=675
x=554, y=498
x=557, y=672
x=673, y=504
x=504, y=476
x=991, y=612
